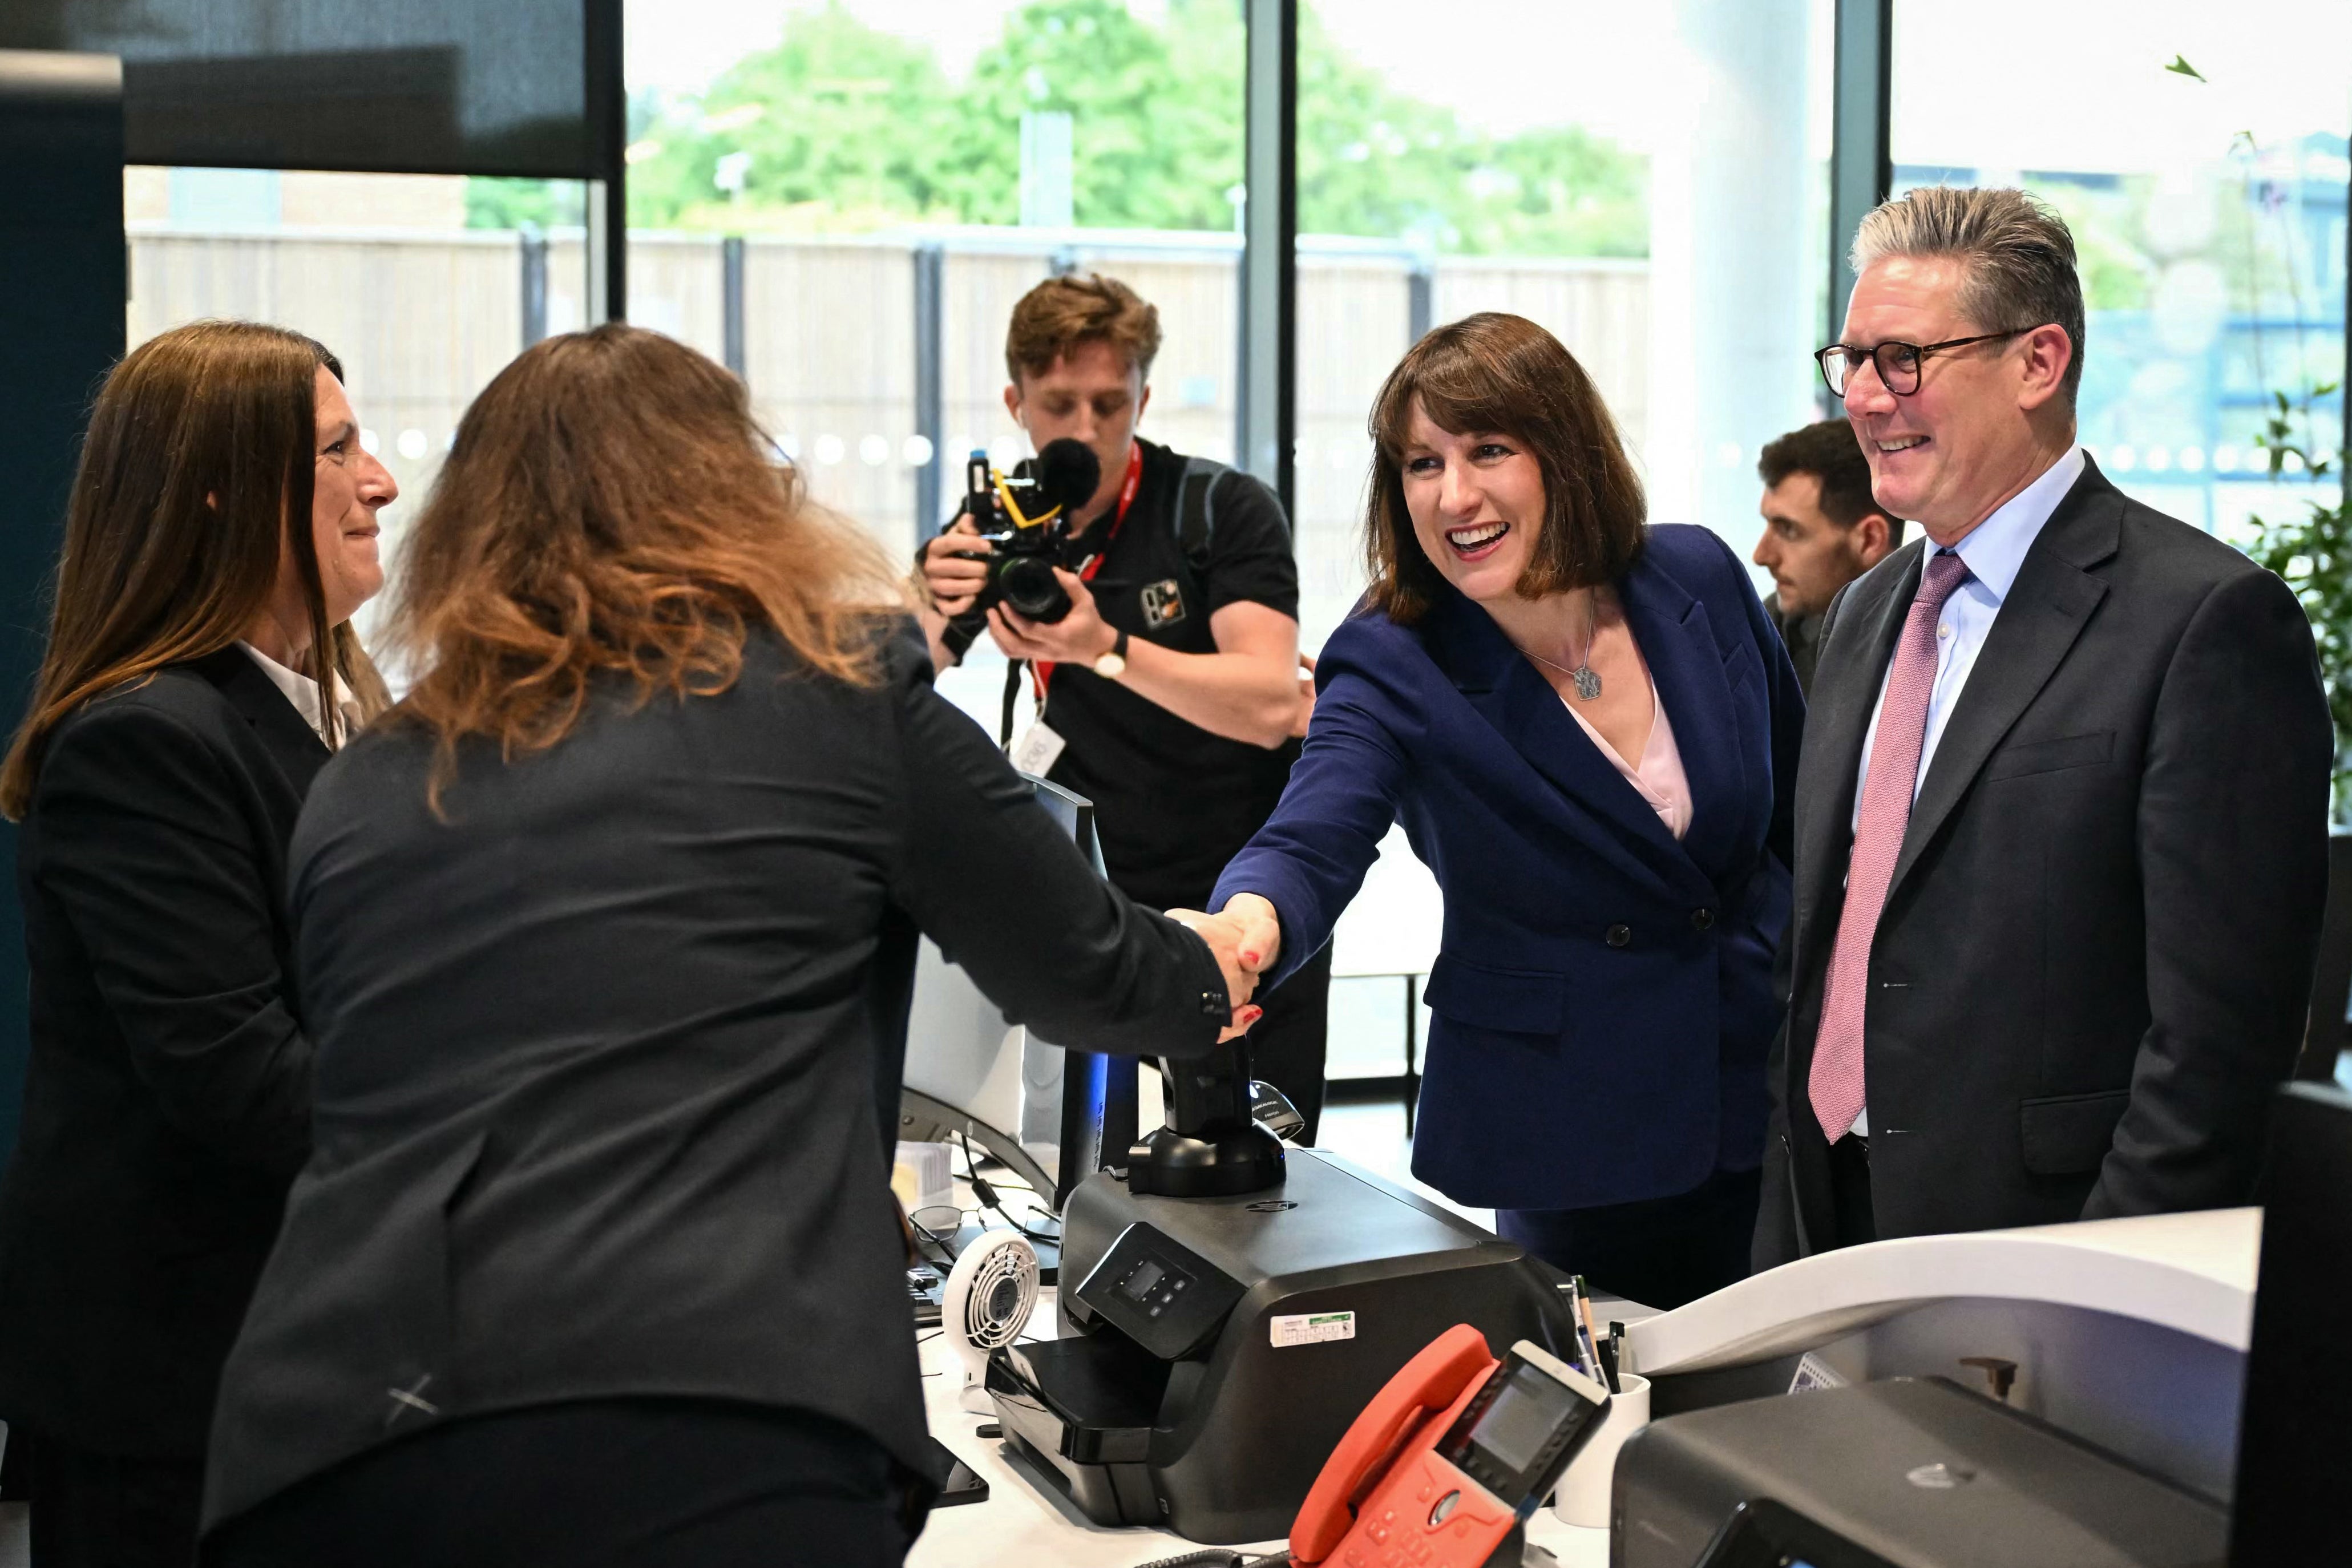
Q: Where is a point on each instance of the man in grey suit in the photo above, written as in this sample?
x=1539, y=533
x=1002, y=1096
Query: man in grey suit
x=2062, y=817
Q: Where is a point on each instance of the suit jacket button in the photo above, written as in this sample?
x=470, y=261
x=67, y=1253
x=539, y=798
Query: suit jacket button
x=1701, y=920
x=1619, y=935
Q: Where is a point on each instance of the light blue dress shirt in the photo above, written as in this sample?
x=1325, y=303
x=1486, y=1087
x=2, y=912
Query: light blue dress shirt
x=1992, y=552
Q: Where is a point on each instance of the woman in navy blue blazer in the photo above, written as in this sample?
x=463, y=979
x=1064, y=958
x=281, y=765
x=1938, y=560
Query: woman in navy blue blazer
x=1589, y=731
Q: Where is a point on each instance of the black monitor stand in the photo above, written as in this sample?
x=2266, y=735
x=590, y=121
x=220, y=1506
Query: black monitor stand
x=1211, y=1147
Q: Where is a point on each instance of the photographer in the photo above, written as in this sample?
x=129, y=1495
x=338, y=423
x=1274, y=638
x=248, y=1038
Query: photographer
x=1168, y=694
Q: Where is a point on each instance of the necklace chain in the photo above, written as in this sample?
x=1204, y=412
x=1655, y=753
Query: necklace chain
x=1588, y=683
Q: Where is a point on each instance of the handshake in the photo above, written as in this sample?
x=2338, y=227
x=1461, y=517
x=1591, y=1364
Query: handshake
x=1245, y=939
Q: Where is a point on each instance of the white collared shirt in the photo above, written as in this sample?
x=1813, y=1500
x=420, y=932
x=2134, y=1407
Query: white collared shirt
x=1994, y=551
x=304, y=693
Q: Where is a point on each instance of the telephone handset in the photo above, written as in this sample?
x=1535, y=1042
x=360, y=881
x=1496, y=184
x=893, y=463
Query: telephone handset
x=1449, y=1458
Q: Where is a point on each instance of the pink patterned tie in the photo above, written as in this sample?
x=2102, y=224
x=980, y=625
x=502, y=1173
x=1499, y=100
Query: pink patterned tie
x=1835, y=1083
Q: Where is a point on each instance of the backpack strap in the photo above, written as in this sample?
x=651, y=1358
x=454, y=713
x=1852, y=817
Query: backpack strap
x=1196, y=511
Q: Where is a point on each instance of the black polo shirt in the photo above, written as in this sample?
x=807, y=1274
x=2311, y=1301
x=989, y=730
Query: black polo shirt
x=1173, y=802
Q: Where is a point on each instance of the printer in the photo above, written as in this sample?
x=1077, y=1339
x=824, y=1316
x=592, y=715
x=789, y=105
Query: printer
x=1216, y=1345
x=1911, y=1472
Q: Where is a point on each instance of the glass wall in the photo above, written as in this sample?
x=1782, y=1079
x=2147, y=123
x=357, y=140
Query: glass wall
x=423, y=285
x=843, y=199
x=2199, y=155
x=896, y=176
x=1650, y=183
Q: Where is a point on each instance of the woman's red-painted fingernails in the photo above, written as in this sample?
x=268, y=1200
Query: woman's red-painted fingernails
x=1248, y=957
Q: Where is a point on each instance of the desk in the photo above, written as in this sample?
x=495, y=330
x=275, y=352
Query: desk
x=1024, y=1524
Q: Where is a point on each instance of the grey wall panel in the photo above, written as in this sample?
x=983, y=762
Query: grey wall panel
x=421, y=87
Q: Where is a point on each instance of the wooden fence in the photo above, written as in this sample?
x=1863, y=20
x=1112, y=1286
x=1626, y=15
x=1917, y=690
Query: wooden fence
x=423, y=320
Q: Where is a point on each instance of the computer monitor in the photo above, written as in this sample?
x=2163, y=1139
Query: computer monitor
x=1052, y=1113
x=2294, y=1441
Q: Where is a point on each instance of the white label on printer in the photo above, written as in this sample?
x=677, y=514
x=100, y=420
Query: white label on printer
x=1312, y=1329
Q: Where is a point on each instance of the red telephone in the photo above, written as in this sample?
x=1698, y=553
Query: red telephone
x=1449, y=1458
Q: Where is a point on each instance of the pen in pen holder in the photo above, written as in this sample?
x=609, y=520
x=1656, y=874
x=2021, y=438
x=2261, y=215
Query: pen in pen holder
x=1583, y=1347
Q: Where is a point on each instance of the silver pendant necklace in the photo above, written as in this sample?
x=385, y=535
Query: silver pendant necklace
x=1588, y=683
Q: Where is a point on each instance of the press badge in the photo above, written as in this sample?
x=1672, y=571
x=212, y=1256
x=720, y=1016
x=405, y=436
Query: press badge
x=1037, y=750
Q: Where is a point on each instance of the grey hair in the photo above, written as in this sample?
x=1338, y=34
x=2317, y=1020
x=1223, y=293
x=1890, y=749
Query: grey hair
x=2019, y=257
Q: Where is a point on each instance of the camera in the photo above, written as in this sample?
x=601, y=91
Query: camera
x=1027, y=518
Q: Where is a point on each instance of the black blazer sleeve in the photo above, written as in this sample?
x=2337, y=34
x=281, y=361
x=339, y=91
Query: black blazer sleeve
x=2233, y=836
x=1778, y=1236
x=991, y=879
x=1786, y=698
x=143, y=844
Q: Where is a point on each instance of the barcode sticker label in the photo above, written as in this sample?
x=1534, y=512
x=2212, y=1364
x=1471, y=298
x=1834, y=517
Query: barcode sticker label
x=1311, y=1329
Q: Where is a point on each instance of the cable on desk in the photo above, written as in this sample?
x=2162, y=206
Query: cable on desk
x=1220, y=1557
x=986, y=1193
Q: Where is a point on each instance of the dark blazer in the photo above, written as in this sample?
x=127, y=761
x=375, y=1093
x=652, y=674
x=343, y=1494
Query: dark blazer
x=166, y=1103
x=1802, y=636
x=1602, y=1000
x=608, y=1058
x=2096, y=955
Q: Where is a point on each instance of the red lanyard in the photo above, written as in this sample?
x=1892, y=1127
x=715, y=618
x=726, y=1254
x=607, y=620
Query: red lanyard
x=1041, y=671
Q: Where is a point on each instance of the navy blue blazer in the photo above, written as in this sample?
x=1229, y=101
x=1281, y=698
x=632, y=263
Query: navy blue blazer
x=1603, y=999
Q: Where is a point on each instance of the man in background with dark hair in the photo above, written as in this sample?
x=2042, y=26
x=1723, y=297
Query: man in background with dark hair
x=1822, y=530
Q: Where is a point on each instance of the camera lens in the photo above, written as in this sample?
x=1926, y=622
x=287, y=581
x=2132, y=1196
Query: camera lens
x=1026, y=583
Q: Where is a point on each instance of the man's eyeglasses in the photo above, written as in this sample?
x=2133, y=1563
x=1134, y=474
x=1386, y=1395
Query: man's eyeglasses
x=1897, y=363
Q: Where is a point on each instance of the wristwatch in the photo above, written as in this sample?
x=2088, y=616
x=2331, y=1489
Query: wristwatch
x=1113, y=664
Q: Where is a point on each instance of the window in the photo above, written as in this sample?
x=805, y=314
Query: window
x=2208, y=210
x=422, y=285
x=1650, y=183
x=852, y=198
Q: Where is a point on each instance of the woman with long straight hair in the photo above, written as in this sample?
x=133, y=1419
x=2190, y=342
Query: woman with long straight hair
x=607, y=932
x=222, y=531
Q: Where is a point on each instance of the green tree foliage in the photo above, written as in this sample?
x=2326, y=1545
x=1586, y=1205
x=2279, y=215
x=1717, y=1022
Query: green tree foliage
x=848, y=128
x=1374, y=160
x=512, y=204
x=2116, y=272
x=2314, y=553
x=1157, y=113
x=843, y=127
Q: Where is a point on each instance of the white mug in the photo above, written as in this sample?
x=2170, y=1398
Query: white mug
x=1583, y=1495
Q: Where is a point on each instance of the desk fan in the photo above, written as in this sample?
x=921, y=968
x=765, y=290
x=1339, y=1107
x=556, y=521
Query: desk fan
x=990, y=1293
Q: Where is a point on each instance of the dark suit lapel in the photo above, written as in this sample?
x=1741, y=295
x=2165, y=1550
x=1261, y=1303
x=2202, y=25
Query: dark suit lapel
x=282, y=731
x=2044, y=613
